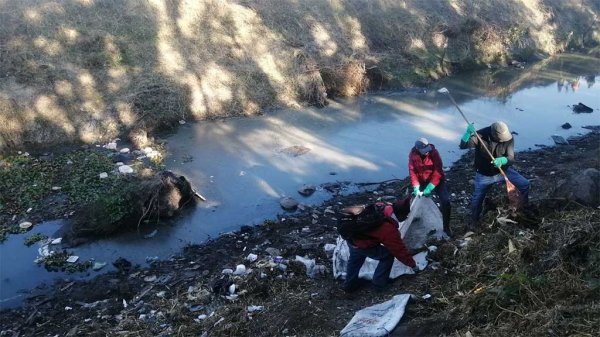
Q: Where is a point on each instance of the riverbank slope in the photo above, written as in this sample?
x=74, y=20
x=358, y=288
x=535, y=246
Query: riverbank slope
x=537, y=276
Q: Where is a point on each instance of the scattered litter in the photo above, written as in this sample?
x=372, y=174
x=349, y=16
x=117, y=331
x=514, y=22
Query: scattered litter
x=45, y=251
x=253, y=308
x=25, y=224
x=72, y=258
x=103, y=175
x=505, y=220
x=56, y=188
x=196, y=308
x=98, y=265
x=252, y=257
x=151, y=234
x=68, y=308
x=273, y=251
x=161, y=294
x=240, y=269
x=426, y=296
x=201, y=317
x=329, y=247
x=125, y=169
x=511, y=246
x=469, y=233
x=150, y=278
x=124, y=304
x=111, y=146
x=181, y=121
x=227, y=271
x=231, y=289
x=432, y=248
x=56, y=241
x=124, y=150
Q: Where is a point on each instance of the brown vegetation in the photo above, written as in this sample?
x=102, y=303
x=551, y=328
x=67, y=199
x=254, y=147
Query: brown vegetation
x=88, y=70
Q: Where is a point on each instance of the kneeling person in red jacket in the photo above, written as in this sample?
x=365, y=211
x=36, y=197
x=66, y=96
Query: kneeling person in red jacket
x=383, y=244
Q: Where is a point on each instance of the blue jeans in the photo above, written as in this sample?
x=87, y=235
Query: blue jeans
x=483, y=184
x=356, y=260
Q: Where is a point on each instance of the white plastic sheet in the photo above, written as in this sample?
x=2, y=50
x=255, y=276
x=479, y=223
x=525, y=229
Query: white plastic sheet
x=423, y=222
x=377, y=320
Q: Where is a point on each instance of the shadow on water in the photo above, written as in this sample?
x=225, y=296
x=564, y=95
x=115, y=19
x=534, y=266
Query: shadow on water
x=244, y=166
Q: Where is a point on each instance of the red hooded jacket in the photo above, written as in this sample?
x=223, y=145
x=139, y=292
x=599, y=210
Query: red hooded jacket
x=388, y=235
x=425, y=169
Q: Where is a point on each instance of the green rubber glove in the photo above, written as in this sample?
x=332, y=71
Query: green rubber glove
x=468, y=132
x=427, y=191
x=500, y=161
x=416, y=190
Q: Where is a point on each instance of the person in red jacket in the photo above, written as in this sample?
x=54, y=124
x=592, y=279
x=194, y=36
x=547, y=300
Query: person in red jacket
x=383, y=244
x=426, y=172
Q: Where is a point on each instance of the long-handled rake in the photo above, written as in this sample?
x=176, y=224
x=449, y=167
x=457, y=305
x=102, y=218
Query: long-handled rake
x=513, y=193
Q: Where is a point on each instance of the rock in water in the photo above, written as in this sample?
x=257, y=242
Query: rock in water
x=582, y=108
x=558, y=140
x=288, y=204
x=307, y=190
x=566, y=126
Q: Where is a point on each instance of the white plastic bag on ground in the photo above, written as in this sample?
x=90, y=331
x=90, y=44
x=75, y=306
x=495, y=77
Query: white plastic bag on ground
x=423, y=222
x=377, y=320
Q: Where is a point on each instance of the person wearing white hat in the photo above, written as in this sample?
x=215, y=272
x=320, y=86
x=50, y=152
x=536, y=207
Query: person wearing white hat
x=426, y=173
x=499, y=140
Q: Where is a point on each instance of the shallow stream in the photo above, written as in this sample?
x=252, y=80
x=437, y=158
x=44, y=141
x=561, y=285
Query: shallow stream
x=244, y=166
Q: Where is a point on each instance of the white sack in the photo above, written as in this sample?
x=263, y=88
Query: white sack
x=424, y=218
x=377, y=320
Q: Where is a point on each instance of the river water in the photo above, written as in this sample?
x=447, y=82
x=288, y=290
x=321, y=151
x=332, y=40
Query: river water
x=243, y=166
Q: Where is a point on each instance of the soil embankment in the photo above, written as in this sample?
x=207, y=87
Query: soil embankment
x=88, y=71
x=538, y=276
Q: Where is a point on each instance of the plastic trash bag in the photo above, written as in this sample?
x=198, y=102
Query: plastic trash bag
x=377, y=320
x=423, y=222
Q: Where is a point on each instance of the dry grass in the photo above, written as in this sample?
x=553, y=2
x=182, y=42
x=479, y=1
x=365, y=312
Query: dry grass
x=87, y=70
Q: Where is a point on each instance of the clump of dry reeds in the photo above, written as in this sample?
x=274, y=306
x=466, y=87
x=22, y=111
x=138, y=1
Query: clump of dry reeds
x=311, y=83
x=346, y=79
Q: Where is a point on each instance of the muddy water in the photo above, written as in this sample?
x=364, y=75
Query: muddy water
x=244, y=166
